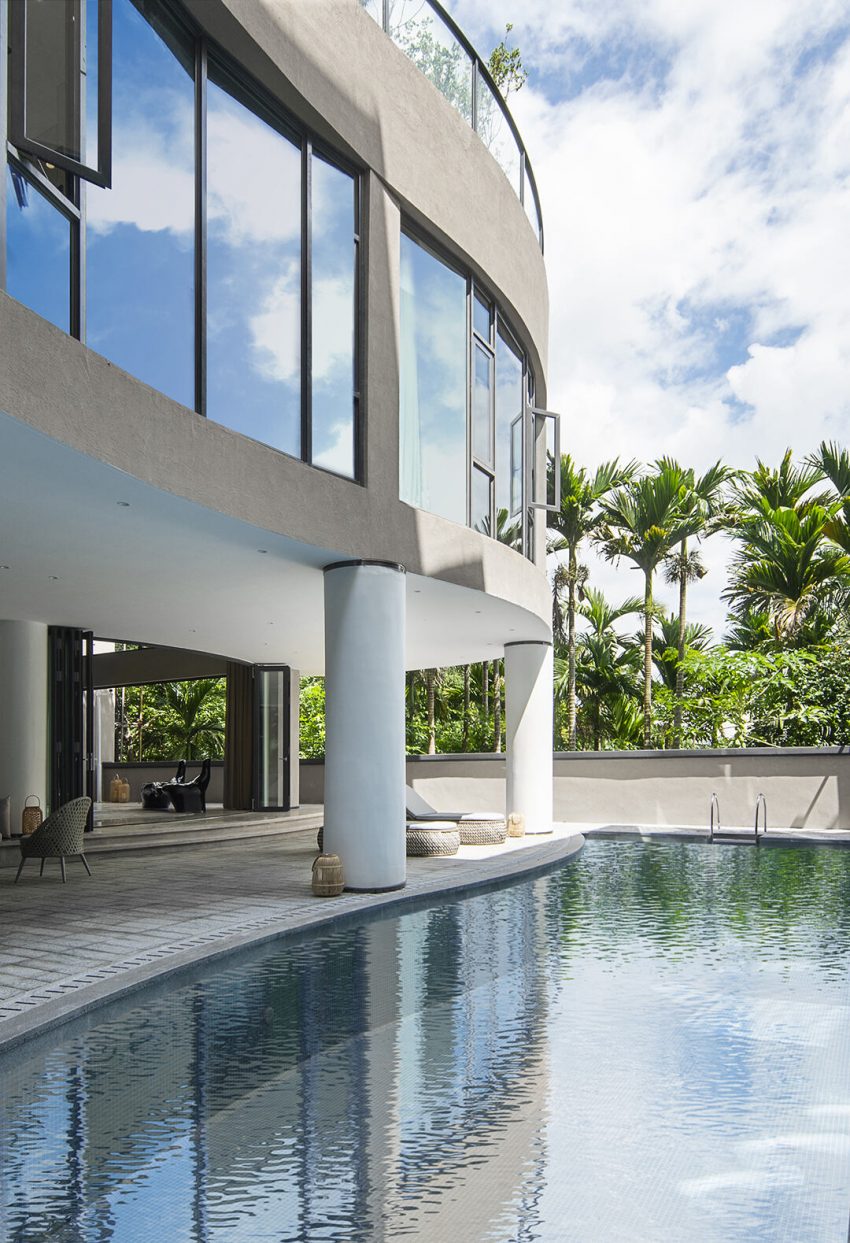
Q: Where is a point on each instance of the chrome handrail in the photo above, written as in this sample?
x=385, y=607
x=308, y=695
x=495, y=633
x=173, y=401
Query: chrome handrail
x=713, y=816
x=761, y=802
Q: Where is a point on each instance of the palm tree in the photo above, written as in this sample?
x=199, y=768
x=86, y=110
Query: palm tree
x=642, y=522
x=787, y=569
x=577, y=520
x=834, y=462
x=667, y=655
x=785, y=488
x=707, y=494
x=197, y=726
x=606, y=672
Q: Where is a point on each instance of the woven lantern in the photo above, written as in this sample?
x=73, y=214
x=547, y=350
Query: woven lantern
x=31, y=817
x=328, y=880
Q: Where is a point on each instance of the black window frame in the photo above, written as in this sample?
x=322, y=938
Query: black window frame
x=102, y=175
x=253, y=95
x=499, y=323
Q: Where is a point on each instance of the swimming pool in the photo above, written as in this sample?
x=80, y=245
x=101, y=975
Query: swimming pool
x=651, y=1043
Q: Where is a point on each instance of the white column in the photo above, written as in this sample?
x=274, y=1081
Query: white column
x=23, y=713
x=364, y=723
x=528, y=713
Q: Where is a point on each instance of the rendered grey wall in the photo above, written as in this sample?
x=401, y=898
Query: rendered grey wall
x=805, y=788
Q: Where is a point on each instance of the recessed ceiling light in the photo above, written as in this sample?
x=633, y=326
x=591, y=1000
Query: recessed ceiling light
x=54, y=578
x=4, y=567
x=123, y=504
x=262, y=550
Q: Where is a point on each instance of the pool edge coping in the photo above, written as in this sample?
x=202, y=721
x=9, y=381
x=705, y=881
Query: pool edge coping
x=499, y=869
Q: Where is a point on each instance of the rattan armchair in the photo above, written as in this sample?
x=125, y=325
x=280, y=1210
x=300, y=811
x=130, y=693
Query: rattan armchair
x=60, y=836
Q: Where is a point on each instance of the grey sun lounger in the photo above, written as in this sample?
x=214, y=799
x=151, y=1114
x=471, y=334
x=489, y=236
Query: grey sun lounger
x=419, y=809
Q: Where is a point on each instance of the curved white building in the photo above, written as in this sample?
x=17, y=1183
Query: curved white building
x=272, y=336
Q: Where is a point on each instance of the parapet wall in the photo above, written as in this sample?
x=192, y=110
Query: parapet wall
x=805, y=787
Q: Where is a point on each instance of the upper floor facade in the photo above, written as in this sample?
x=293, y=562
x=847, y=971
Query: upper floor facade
x=259, y=254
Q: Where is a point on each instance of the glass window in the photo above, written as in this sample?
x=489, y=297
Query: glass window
x=482, y=495
x=423, y=36
x=140, y=234
x=482, y=317
x=432, y=397
x=55, y=104
x=38, y=251
x=253, y=272
x=333, y=318
x=52, y=75
x=530, y=206
x=482, y=404
x=509, y=405
x=496, y=133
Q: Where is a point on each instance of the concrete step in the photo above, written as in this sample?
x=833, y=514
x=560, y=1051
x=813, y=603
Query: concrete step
x=196, y=832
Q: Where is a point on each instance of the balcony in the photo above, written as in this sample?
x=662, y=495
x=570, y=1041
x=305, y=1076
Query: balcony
x=425, y=32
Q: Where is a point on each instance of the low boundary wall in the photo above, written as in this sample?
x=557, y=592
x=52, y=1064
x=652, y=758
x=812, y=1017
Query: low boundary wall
x=805, y=787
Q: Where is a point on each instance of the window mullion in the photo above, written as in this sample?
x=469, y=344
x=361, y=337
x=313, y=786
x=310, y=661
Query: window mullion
x=201, y=226
x=306, y=301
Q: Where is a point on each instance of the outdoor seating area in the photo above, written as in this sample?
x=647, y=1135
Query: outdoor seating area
x=179, y=794
x=474, y=828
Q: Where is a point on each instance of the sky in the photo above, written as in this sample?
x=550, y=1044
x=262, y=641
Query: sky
x=693, y=160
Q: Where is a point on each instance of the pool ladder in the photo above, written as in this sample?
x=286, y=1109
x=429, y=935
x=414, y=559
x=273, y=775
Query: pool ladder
x=714, y=818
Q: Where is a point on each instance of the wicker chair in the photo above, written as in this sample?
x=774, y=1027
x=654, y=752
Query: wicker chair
x=61, y=834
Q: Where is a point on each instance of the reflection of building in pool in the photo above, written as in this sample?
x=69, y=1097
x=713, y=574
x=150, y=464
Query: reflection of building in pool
x=383, y=1080
x=273, y=324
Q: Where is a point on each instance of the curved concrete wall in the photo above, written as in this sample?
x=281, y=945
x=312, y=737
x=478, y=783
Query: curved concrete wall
x=332, y=66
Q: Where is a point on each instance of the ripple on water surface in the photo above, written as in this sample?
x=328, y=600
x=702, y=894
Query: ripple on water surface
x=652, y=1043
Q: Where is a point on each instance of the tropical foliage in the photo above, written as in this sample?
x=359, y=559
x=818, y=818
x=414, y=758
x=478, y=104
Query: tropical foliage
x=637, y=673
x=170, y=721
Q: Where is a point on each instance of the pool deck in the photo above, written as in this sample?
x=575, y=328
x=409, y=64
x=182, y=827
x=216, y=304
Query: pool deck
x=152, y=909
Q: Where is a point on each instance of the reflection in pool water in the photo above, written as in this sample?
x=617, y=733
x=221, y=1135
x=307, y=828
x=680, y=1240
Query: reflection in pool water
x=649, y=1044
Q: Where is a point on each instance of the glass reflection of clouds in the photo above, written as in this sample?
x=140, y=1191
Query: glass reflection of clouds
x=38, y=247
x=253, y=273
x=140, y=248
x=333, y=312
x=432, y=411
x=140, y=234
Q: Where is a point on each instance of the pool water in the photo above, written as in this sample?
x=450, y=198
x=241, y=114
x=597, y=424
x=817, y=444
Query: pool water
x=651, y=1043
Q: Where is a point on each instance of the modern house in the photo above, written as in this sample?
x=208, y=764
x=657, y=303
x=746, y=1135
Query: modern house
x=273, y=324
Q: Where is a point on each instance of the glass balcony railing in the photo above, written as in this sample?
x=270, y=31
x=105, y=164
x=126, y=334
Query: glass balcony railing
x=438, y=47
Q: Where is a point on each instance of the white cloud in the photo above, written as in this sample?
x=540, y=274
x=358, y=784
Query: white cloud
x=276, y=328
x=694, y=168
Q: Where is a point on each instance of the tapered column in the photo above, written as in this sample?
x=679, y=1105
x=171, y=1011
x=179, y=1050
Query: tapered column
x=23, y=713
x=528, y=712
x=364, y=722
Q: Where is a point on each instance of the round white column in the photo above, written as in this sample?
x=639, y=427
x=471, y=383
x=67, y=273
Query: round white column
x=23, y=713
x=528, y=713
x=365, y=812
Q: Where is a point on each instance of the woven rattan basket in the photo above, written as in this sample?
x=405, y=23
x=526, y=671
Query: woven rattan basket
x=32, y=816
x=431, y=842
x=482, y=832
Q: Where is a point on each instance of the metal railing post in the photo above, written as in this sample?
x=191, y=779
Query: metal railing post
x=713, y=817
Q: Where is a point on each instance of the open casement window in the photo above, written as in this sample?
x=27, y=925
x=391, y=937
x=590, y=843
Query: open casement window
x=542, y=459
x=61, y=84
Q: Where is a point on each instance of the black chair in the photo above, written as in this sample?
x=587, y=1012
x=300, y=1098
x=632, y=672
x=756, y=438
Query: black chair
x=189, y=796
